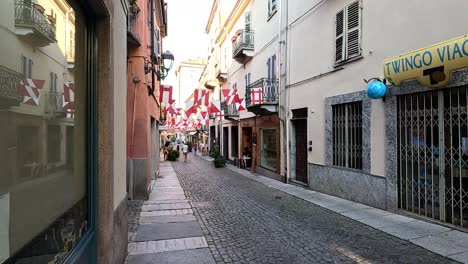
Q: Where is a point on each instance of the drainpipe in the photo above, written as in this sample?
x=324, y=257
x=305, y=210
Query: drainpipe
x=283, y=92
x=153, y=59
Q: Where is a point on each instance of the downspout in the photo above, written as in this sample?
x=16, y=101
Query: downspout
x=286, y=90
x=153, y=56
x=282, y=106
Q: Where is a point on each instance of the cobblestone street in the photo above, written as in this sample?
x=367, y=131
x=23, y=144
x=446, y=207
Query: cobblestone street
x=245, y=221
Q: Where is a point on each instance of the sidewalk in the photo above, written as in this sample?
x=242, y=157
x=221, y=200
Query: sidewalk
x=436, y=238
x=168, y=231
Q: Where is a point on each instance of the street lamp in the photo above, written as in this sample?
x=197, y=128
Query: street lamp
x=167, y=61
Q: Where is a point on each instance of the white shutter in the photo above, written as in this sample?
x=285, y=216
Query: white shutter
x=353, y=47
x=339, y=41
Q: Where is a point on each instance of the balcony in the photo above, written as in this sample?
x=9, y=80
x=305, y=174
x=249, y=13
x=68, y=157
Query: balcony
x=262, y=96
x=32, y=25
x=53, y=104
x=230, y=111
x=220, y=72
x=243, y=46
x=133, y=38
x=9, y=83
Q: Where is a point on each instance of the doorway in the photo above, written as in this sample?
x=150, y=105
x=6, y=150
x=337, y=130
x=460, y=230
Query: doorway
x=300, y=129
x=432, y=151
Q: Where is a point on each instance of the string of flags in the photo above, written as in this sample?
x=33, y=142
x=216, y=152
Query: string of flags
x=199, y=108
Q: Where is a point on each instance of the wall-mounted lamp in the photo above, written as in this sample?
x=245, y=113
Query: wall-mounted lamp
x=165, y=67
x=376, y=88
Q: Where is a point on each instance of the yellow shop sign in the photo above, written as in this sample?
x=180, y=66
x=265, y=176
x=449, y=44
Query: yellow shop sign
x=431, y=66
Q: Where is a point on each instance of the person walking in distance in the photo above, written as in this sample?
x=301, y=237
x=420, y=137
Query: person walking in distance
x=185, y=151
x=195, y=147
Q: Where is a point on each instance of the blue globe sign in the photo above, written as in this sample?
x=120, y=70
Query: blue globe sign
x=376, y=90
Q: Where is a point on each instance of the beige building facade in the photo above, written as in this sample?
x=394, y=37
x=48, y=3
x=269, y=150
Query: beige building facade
x=385, y=153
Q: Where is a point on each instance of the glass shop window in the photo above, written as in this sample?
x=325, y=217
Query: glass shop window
x=43, y=155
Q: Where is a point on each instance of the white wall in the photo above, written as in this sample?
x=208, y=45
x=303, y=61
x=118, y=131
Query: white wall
x=389, y=28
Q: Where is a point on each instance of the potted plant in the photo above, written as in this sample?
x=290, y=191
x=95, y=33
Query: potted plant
x=238, y=32
x=134, y=9
x=219, y=160
x=234, y=38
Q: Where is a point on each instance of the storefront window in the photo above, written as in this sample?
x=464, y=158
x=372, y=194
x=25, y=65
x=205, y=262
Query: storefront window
x=268, y=149
x=43, y=154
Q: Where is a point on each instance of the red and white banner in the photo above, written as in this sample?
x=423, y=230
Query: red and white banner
x=256, y=95
x=230, y=96
x=69, y=99
x=241, y=105
x=201, y=97
x=30, y=89
x=165, y=94
x=215, y=107
x=220, y=115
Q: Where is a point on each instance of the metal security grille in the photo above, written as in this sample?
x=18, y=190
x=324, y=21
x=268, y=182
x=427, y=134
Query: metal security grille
x=433, y=155
x=347, y=135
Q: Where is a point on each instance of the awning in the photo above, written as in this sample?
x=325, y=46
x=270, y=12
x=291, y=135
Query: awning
x=192, y=133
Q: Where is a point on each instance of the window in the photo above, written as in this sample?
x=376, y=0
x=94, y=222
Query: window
x=347, y=135
x=247, y=79
x=53, y=82
x=45, y=166
x=247, y=26
x=26, y=66
x=268, y=148
x=271, y=8
x=271, y=67
x=348, y=40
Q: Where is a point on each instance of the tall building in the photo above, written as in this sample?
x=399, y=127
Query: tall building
x=244, y=58
x=61, y=104
x=147, y=26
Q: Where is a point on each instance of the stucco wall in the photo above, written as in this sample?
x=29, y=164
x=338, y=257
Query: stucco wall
x=119, y=103
x=387, y=31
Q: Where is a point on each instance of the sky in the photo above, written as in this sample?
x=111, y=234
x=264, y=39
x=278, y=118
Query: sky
x=186, y=37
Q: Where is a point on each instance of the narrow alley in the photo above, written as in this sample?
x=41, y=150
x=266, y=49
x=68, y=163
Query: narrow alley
x=244, y=221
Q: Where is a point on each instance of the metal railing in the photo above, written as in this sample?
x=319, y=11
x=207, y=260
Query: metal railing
x=26, y=14
x=244, y=41
x=269, y=91
x=53, y=102
x=132, y=24
x=9, y=83
x=229, y=110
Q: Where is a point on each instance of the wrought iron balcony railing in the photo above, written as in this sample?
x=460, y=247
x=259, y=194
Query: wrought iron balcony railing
x=262, y=92
x=53, y=103
x=245, y=41
x=9, y=84
x=28, y=15
x=230, y=111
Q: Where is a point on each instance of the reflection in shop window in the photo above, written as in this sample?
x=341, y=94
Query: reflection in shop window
x=43, y=100
x=268, y=149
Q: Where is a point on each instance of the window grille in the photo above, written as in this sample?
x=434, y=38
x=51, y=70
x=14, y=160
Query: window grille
x=347, y=135
x=347, y=29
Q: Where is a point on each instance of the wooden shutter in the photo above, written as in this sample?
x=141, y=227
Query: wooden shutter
x=353, y=47
x=339, y=41
x=24, y=66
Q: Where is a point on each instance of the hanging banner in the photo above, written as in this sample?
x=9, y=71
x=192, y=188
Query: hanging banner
x=431, y=66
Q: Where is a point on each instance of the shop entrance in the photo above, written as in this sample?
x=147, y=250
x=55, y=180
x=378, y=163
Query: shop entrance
x=433, y=155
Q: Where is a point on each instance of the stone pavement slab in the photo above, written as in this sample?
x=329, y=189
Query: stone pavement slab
x=167, y=212
x=167, y=219
x=194, y=256
x=159, y=207
x=147, y=247
x=161, y=231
